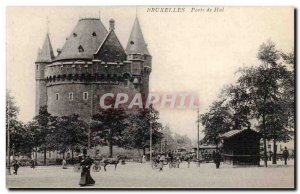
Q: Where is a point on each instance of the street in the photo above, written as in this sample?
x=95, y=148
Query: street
x=135, y=175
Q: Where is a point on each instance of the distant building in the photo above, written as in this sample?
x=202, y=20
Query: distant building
x=92, y=62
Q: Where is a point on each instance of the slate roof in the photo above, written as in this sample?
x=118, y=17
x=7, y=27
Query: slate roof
x=111, y=49
x=46, y=53
x=136, y=42
x=232, y=133
x=89, y=33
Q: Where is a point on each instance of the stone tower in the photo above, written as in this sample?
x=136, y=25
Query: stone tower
x=92, y=62
x=139, y=56
x=45, y=57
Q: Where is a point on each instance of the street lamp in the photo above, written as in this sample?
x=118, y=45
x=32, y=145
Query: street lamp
x=150, y=138
x=150, y=123
x=198, y=139
x=8, y=139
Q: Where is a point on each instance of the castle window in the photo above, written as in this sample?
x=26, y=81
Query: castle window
x=131, y=42
x=57, y=96
x=135, y=68
x=74, y=34
x=37, y=67
x=71, y=96
x=85, y=95
x=94, y=34
x=80, y=49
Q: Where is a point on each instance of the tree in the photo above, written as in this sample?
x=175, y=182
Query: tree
x=238, y=105
x=168, y=137
x=107, y=127
x=70, y=133
x=138, y=134
x=22, y=136
x=14, y=127
x=46, y=124
x=264, y=85
x=216, y=121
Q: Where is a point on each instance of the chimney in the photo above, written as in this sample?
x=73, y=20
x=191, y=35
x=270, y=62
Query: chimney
x=111, y=24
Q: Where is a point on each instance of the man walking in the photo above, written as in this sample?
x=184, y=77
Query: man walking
x=16, y=166
x=217, y=159
x=285, y=155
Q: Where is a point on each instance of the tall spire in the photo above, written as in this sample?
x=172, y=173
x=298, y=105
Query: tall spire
x=47, y=24
x=46, y=53
x=99, y=12
x=136, y=43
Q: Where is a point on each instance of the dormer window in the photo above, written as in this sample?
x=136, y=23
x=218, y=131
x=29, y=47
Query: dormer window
x=80, y=49
x=94, y=34
x=74, y=34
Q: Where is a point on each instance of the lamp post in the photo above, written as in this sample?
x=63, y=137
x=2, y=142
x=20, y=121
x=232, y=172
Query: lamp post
x=198, y=139
x=150, y=124
x=150, y=140
x=8, y=139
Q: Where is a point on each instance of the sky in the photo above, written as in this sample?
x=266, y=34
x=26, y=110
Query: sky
x=193, y=52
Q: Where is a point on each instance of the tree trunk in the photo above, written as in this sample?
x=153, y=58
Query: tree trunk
x=110, y=144
x=45, y=156
x=265, y=141
x=144, y=151
x=64, y=155
x=274, y=152
x=110, y=148
x=72, y=151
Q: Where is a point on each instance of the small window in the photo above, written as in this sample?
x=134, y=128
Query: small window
x=80, y=49
x=74, y=34
x=37, y=67
x=131, y=42
x=85, y=95
x=57, y=96
x=94, y=34
x=71, y=96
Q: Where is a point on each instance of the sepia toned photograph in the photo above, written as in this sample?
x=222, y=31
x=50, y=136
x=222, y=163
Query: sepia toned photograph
x=150, y=97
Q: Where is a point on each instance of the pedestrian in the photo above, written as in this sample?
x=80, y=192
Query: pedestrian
x=217, y=159
x=285, y=155
x=16, y=166
x=86, y=178
x=64, y=164
x=32, y=164
x=143, y=159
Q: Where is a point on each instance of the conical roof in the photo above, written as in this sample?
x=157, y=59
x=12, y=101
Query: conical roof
x=84, y=40
x=46, y=53
x=136, y=43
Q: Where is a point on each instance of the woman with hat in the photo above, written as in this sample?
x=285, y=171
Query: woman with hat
x=86, y=164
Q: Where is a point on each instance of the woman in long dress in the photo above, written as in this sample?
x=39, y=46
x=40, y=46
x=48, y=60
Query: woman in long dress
x=86, y=178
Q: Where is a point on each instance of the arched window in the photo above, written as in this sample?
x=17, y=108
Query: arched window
x=80, y=49
x=85, y=95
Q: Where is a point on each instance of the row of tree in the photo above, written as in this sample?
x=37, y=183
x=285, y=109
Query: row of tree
x=262, y=97
x=69, y=133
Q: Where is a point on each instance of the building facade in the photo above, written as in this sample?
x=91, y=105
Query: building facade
x=92, y=62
